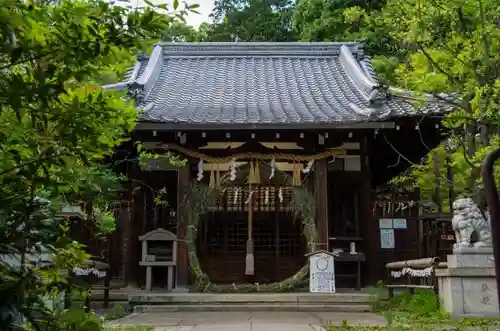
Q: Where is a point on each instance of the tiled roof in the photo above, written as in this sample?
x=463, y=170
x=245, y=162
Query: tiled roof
x=259, y=83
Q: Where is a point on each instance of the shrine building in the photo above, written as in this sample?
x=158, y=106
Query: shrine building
x=284, y=145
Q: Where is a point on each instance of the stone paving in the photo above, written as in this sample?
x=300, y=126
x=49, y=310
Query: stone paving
x=248, y=321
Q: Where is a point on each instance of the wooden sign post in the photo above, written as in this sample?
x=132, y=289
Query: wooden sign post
x=321, y=272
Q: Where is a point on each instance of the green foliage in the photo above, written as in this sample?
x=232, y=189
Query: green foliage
x=105, y=221
x=427, y=47
x=250, y=20
x=78, y=320
x=57, y=128
x=181, y=32
x=450, y=47
x=418, y=312
x=345, y=20
x=116, y=312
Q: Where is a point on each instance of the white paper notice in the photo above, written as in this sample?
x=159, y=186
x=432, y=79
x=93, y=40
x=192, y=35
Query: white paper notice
x=399, y=223
x=385, y=223
x=387, y=238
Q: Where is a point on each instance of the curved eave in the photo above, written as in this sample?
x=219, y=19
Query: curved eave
x=125, y=84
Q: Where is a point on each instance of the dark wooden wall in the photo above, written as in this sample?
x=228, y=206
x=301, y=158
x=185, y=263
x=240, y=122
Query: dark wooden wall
x=408, y=242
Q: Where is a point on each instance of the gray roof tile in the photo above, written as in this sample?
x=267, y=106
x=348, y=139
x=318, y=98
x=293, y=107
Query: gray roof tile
x=260, y=83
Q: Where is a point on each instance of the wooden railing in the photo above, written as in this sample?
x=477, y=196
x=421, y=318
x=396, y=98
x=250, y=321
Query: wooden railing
x=409, y=271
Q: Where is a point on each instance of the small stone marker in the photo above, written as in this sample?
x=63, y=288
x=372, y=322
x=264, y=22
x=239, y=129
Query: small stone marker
x=321, y=272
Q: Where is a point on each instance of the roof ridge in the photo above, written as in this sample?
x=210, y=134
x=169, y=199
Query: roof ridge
x=259, y=48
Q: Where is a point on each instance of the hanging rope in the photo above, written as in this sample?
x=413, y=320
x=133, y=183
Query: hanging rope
x=254, y=156
x=249, y=259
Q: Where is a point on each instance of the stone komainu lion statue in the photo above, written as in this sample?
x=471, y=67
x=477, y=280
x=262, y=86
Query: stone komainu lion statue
x=467, y=219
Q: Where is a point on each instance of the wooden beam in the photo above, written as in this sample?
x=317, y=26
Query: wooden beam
x=183, y=179
x=149, y=126
x=128, y=241
x=321, y=195
x=231, y=145
x=235, y=144
x=222, y=145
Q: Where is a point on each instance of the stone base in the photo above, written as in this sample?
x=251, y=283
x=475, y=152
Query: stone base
x=458, y=261
x=473, y=250
x=468, y=286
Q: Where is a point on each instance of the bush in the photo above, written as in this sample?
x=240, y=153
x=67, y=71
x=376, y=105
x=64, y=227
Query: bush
x=419, y=312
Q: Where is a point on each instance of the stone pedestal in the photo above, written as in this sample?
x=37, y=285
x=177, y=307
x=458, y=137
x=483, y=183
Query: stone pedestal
x=467, y=288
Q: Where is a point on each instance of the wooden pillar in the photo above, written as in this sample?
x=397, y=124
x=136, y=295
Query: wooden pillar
x=128, y=244
x=183, y=179
x=368, y=225
x=321, y=196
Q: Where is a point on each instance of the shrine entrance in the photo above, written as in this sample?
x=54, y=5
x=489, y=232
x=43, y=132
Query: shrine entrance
x=279, y=245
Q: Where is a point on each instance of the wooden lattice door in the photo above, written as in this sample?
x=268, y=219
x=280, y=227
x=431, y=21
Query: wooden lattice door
x=279, y=246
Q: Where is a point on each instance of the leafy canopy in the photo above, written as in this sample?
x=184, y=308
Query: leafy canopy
x=452, y=47
x=434, y=47
x=57, y=126
x=250, y=20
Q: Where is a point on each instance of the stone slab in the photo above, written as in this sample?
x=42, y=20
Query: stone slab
x=255, y=321
x=254, y=307
x=466, y=272
x=470, y=261
x=223, y=327
x=198, y=298
x=473, y=250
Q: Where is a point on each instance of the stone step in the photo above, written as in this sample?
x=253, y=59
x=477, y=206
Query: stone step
x=254, y=307
x=257, y=298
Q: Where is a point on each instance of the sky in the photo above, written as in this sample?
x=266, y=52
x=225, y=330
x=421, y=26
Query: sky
x=205, y=9
x=193, y=19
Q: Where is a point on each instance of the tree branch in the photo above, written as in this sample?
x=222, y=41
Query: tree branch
x=395, y=150
x=434, y=63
